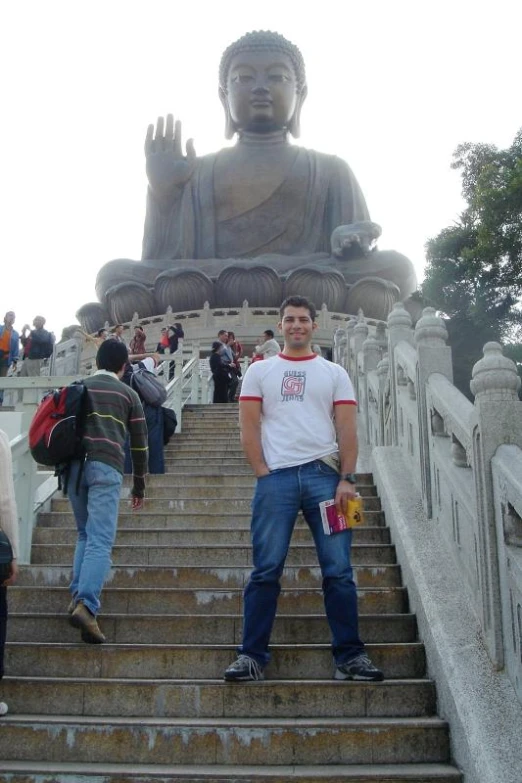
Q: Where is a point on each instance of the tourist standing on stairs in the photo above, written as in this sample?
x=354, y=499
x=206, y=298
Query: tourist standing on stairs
x=269, y=346
x=137, y=344
x=227, y=356
x=9, y=347
x=112, y=409
x=220, y=373
x=9, y=524
x=298, y=416
x=38, y=347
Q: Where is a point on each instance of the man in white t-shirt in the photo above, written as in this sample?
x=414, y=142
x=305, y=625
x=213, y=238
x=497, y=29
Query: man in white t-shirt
x=297, y=413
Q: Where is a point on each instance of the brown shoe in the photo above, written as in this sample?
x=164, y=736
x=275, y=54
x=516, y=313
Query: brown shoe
x=71, y=607
x=83, y=619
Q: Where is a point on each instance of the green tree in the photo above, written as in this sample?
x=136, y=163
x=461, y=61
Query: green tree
x=474, y=268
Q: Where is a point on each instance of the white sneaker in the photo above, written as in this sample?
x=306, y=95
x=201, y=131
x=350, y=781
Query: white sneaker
x=4, y=709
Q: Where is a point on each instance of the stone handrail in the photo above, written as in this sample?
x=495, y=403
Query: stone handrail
x=507, y=487
x=464, y=458
x=456, y=412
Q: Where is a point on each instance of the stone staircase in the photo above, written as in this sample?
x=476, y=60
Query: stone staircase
x=151, y=704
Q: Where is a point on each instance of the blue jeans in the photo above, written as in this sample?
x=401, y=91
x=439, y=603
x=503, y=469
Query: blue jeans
x=95, y=507
x=277, y=500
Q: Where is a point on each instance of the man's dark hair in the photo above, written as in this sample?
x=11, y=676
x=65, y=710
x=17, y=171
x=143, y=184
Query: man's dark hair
x=222, y=331
x=112, y=356
x=298, y=301
x=100, y=332
x=269, y=333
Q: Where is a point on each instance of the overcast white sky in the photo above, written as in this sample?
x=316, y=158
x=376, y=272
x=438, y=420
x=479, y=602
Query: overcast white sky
x=394, y=87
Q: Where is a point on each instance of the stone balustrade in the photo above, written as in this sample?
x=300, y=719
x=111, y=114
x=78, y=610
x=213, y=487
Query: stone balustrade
x=465, y=459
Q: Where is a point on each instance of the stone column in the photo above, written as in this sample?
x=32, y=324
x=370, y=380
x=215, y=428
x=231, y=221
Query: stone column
x=399, y=329
x=371, y=357
x=360, y=333
x=433, y=355
x=495, y=384
x=350, y=326
x=383, y=371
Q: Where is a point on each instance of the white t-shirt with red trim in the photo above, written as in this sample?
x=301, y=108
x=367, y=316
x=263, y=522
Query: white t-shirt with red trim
x=297, y=398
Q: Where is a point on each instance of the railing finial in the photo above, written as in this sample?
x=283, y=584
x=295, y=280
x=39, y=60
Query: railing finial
x=495, y=376
x=430, y=327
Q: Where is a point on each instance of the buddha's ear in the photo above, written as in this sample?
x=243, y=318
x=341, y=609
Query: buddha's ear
x=294, y=126
x=230, y=128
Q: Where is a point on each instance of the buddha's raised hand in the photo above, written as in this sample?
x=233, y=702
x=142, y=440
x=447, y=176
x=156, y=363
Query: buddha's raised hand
x=167, y=166
x=355, y=240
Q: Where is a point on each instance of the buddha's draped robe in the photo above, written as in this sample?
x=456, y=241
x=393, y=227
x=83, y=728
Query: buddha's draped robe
x=297, y=218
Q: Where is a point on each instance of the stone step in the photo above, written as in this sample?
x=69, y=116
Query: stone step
x=209, y=479
x=405, y=660
x=208, y=452
x=198, y=577
x=211, y=411
x=299, y=554
x=187, y=536
x=211, y=462
x=213, y=481
x=191, y=519
x=220, y=741
x=175, y=698
x=204, y=434
x=56, y=772
x=174, y=504
x=204, y=628
x=199, y=601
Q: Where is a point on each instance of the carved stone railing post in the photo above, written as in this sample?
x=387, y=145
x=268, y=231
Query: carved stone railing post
x=381, y=337
x=339, y=347
x=208, y=318
x=245, y=313
x=495, y=384
x=324, y=317
x=360, y=333
x=195, y=380
x=350, y=364
x=399, y=329
x=433, y=355
x=383, y=371
x=371, y=357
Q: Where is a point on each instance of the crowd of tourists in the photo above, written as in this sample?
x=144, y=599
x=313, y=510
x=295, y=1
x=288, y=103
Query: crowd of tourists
x=226, y=358
x=31, y=348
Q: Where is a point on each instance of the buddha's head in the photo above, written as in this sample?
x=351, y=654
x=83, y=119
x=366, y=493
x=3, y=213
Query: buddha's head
x=262, y=84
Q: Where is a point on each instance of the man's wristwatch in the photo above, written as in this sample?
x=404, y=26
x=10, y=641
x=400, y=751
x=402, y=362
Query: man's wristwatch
x=351, y=477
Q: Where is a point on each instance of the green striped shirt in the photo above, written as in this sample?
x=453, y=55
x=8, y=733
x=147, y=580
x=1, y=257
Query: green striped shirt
x=114, y=409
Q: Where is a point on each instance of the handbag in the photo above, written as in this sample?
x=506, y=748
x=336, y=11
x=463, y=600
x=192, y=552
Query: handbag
x=6, y=557
x=149, y=388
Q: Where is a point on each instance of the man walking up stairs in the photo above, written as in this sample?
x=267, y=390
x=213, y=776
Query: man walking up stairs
x=151, y=704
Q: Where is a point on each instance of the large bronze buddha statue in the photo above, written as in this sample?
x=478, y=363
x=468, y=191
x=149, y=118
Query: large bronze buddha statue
x=259, y=220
